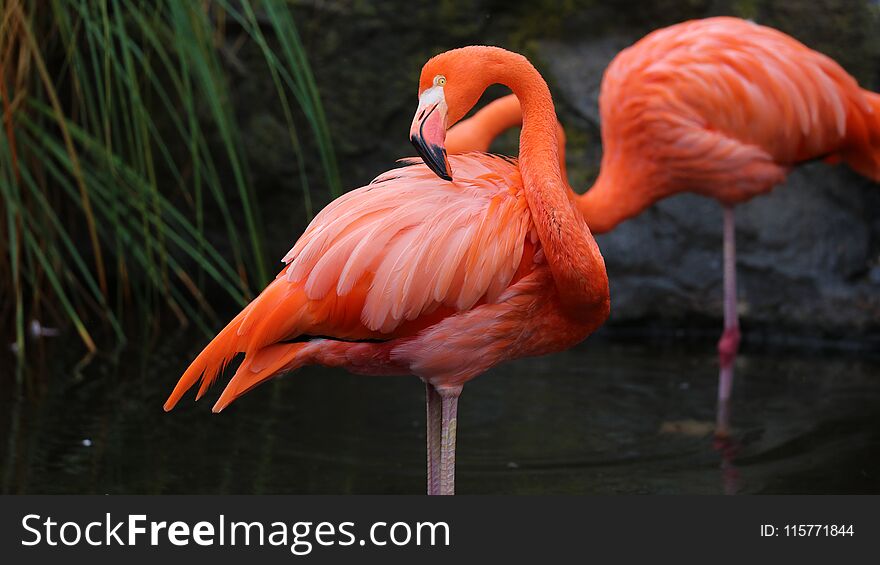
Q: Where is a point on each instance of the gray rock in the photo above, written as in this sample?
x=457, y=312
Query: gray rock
x=579, y=67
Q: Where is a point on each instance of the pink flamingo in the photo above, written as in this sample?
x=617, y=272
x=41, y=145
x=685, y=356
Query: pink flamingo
x=442, y=279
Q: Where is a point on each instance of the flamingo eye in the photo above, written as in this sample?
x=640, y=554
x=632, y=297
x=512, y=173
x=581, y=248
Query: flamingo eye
x=439, y=80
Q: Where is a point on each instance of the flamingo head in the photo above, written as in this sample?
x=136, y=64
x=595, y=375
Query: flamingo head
x=428, y=131
x=450, y=84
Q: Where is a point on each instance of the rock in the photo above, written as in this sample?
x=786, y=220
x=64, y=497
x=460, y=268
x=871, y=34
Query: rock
x=577, y=70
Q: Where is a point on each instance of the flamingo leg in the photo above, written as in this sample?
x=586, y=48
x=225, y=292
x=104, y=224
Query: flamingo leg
x=728, y=345
x=447, y=448
x=433, y=403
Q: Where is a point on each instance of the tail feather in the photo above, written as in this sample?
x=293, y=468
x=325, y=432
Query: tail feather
x=210, y=362
x=261, y=366
x=276, y=314
x=863, y=132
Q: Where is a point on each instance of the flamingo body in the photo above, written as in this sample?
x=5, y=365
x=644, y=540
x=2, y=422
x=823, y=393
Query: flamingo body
x=725, y=108
x=447, y=278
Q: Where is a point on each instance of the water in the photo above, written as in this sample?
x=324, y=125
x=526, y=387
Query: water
x=605, y=417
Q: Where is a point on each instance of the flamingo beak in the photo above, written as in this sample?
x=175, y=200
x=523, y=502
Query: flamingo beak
x=428, y=131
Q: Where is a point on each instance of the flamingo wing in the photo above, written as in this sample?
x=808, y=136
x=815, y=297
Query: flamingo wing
x=423, y=242
x=383, y=261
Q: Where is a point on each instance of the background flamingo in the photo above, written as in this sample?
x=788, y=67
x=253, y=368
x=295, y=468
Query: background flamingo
x=412, y=274
x=721, y=107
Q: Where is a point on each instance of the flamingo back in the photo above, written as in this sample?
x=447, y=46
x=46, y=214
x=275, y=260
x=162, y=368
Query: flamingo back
x=726, y=106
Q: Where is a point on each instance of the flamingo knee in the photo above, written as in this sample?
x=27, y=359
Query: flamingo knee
x=728, y=346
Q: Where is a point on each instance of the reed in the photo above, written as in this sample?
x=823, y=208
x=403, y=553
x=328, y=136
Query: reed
x=109, y=159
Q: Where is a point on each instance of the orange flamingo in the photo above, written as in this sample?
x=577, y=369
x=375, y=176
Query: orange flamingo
x=412, y=274
x=721, y=107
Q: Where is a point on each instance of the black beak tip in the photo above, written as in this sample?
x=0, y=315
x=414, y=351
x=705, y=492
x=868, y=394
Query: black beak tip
x=434, y=157
x=417, y=143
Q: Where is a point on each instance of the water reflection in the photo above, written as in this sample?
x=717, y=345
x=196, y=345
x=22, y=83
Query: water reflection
x=602, y=418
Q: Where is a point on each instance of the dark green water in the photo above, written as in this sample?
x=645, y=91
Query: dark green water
x=602, y=418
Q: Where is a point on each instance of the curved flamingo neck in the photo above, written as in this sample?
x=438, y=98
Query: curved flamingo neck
x=614, y=197
x=601, y=206
x=572, y=254
x=479, y=131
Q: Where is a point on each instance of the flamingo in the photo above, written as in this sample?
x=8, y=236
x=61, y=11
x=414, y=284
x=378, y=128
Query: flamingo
x=721, y=107
x=417, y=273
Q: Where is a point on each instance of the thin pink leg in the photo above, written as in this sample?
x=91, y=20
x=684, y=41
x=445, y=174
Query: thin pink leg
x=447, y=449
x=730, y=477
x=433, y=403
x=728, y=345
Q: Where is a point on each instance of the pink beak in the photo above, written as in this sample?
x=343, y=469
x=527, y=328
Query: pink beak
x=428, y=132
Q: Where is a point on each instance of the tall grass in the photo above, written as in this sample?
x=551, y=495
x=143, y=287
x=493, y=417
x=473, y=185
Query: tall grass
x=109, y=159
